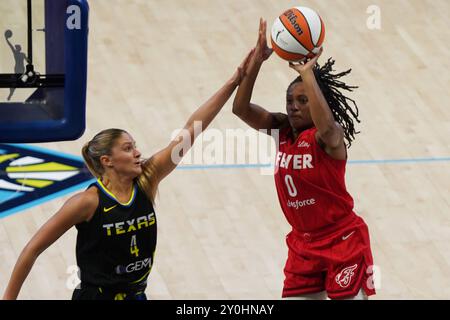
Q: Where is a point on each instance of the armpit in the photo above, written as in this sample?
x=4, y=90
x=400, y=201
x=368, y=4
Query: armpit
x=279, y=120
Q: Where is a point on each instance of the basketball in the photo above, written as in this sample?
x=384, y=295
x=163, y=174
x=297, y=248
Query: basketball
x=8, y=34
x=297, y=34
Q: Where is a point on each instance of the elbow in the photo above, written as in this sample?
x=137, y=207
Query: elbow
x=31, y=251
x=238, y=110
x=235, y=109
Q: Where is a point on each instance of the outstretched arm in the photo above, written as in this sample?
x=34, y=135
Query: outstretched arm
x=252, y=114
x=10, y=45
x=166, y=160
x=77, y=209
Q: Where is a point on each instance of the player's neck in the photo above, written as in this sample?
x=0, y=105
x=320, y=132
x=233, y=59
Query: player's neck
x=120, y=187
x=296, y=131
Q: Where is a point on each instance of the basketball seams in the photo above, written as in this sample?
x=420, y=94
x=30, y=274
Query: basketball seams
x=294, y=44
x=293, y=36
x=309, y=28
x=322, y=32
x=288, y=30
x=288, y=52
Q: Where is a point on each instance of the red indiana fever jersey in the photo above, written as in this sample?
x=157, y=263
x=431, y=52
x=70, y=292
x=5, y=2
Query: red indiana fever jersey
x=310, y=184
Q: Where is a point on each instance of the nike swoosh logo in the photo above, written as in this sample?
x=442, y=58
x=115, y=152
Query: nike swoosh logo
x=347, y=236
x=109, y=209
x=283, y=142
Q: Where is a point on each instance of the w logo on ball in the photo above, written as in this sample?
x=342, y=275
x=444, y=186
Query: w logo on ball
x=345, y=276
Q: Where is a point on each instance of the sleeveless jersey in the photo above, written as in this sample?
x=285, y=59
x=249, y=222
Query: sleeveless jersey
x=310, y=184
x=115, y=249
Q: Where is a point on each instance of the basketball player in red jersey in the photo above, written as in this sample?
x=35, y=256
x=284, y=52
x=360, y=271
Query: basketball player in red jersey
x=329, y=248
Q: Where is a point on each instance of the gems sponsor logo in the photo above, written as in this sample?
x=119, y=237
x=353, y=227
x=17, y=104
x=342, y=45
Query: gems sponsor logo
x=135, y=266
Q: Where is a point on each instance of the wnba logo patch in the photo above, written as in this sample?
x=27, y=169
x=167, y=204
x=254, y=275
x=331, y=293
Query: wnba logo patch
x=345, y=276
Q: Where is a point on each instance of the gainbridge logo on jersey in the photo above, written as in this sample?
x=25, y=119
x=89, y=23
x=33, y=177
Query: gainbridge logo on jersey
x=229, y=148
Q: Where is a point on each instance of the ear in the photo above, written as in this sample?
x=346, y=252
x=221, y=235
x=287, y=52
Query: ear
x=106, y=161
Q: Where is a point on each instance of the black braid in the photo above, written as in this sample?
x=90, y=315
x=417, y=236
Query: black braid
x=344, y=109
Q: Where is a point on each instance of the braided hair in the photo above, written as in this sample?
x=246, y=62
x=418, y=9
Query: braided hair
x=344, y=109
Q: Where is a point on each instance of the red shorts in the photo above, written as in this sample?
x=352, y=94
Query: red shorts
x=338, y=260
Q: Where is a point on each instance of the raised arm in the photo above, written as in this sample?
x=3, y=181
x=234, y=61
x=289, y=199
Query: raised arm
x=166, y=160
x=329, y=132
x=77, y=209
x=10, y=45
x=252, y=114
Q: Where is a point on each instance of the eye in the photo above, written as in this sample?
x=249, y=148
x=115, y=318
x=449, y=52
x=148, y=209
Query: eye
x=303, y=99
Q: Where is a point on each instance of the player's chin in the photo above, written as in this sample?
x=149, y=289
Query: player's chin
x=300, y=123
x=137, y=170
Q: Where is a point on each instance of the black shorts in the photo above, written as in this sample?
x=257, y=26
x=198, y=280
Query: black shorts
x=90, y=292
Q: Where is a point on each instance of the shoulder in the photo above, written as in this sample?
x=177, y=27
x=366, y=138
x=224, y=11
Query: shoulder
x=310, y=134
x=85, y=203
x=339, y=152
x=284, y=132
x=337, y=132
x=90, y=196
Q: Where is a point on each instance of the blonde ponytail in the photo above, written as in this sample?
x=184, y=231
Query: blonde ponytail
x=147, y=180
x=99, y=146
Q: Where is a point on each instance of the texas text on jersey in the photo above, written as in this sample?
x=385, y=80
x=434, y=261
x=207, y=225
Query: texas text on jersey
x=115, y=249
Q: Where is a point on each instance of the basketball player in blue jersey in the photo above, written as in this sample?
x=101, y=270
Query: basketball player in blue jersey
x=115, y=217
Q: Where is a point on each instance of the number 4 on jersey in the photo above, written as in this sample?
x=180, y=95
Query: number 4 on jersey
x=133, y=246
